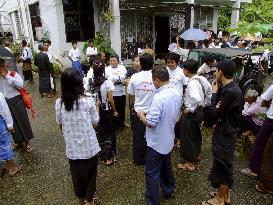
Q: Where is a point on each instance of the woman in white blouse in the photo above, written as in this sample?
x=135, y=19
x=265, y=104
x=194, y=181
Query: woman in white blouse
x=77, y=116
x=9, y=85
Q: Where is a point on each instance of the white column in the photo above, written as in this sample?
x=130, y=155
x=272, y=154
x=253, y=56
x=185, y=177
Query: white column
x=115, y=35
x=96, y=16
x=235, y=15
x=192, y=17
x=215, y=19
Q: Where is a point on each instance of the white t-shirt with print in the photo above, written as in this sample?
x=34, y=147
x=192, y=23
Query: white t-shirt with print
x=142, y=87
x=178, y=79
x=74, y=54
x=115, y=74
x=268, y=95
x=104, y=88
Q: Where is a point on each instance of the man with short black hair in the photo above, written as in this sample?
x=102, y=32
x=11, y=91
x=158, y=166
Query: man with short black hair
x=45, y=69
x=141, y=90
x=197, y=96
x=226, y=109
x=159, y=122
x=117, y=73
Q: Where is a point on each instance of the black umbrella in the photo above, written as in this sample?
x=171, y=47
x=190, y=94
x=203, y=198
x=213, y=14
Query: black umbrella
x=9, y=57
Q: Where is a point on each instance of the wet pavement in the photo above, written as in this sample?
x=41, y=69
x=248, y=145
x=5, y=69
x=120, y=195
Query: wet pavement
x=45, y=179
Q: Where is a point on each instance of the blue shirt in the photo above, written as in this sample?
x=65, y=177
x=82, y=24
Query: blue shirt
x=162, y=116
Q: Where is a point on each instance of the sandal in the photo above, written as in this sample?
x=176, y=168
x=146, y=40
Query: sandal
x=247, y=172
x=18, y=170
x=209, y=203
x=16, y=146
x=29, y=148
x=215, y=194
x=184, y=167
x=261, y=189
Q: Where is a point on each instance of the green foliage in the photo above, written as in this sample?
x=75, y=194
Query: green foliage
x=259, y=11
x=244, y=28
x=100, y=43
x=17, y=51
x=108, y=16
x=224, y=20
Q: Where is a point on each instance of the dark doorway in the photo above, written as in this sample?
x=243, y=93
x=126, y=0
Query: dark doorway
x=162, y=30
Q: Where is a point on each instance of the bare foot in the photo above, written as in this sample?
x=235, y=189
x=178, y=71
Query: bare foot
x=126, y=125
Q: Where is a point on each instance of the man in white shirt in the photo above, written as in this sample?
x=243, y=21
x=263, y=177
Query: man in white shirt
x=262, y=137
x=141, y=90
x=27, y=57
x=75, y=56
x=198, y=95
x=117, y=73
x=91, y=52
x=160, y=121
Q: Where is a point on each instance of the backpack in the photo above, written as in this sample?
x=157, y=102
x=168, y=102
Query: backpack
x=25, y=96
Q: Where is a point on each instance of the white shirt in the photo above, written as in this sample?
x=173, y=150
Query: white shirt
x=204, y=69
x=86, y=79
x=5, y=112
x=268, y=95
x=194, y=95
x=172, y=46
x=142, y=87
x=27, y=53
x=104, y=88
x=74, y=54
x=162, y=116
x=91, y=51
x=182, y=52
x=116, y=74
x=178, y=79
x=79, y=134
x=9, y=85
x=51, y=56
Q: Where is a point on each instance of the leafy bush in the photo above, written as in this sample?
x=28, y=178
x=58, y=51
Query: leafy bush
x=101, y=44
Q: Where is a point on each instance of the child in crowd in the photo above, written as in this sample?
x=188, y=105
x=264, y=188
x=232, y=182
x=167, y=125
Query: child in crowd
x=6, y=126
x=74, y=56
x=77, y=116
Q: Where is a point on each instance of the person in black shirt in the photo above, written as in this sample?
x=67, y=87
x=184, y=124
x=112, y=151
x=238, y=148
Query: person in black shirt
x=226, y=108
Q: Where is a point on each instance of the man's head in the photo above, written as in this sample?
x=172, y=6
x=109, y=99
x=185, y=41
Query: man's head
x=136, y=62
x=114, y=60
x=146, y=61
x=7, y=43
x=91, y=43
x=3, y=67
x=209, y=59
x=190, y=67
x=41, y=48
x=74, y=44
x=251, y=96
x=24, y=43
x=172, y=60
x=160, y=76
x=101, y=56
x=225, y=69
x=46, y=45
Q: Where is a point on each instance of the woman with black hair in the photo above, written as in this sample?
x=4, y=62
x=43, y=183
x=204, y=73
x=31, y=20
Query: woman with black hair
x=77, y=116
x=106, y=129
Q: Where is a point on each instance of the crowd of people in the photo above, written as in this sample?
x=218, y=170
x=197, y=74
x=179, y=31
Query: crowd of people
x=167, y=103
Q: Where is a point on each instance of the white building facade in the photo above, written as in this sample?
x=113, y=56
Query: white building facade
x=62, y=21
